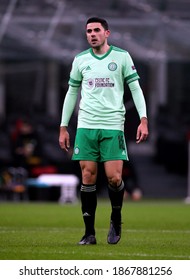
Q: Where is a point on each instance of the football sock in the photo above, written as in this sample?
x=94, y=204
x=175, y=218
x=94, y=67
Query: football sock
x=116, y=198
x=89, y=203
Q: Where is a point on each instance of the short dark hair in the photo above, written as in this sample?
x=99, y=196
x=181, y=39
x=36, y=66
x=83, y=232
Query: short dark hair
x=100, y=20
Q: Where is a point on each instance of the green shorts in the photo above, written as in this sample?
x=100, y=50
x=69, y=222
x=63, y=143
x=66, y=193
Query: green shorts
x=99, y=145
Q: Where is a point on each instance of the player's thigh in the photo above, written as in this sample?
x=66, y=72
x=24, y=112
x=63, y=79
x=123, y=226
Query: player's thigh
x=113, y=169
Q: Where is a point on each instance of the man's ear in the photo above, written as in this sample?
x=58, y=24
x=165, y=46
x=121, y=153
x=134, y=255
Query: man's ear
x=107, y=33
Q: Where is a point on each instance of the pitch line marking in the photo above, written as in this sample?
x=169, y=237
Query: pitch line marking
x=65, y=229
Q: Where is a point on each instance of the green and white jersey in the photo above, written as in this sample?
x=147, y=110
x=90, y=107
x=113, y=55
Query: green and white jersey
x=102, y=81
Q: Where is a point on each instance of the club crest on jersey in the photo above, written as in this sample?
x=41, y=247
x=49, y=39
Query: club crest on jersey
x=76, y=151
x=112, y=66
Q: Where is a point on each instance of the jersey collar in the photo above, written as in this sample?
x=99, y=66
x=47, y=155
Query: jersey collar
x=101, y=57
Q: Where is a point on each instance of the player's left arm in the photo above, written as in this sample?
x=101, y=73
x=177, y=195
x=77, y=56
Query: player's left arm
x=139, y=101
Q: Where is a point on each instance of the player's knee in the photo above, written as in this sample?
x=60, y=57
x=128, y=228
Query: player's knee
x=115, y=181
x=88, y=176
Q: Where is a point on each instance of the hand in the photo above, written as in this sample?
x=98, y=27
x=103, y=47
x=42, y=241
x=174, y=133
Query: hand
x=142, y=131
x=64, y=139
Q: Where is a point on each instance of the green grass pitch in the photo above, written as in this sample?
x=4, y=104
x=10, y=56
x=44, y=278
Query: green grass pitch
x=151, y=230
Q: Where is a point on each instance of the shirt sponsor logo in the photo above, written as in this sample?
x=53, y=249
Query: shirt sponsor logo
x=91, y=83
x=100, y=83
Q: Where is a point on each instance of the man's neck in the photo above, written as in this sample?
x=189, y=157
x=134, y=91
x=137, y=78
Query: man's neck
x=101, y=50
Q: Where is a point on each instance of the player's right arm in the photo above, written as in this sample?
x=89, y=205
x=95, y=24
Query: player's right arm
x=64, y=138
x=68, y=108
x=69, y=104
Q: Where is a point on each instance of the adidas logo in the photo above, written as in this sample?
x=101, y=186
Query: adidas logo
x=88, y=68
x=86, y=214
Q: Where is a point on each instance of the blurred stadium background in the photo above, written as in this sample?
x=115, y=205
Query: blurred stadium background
x=38, y=40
